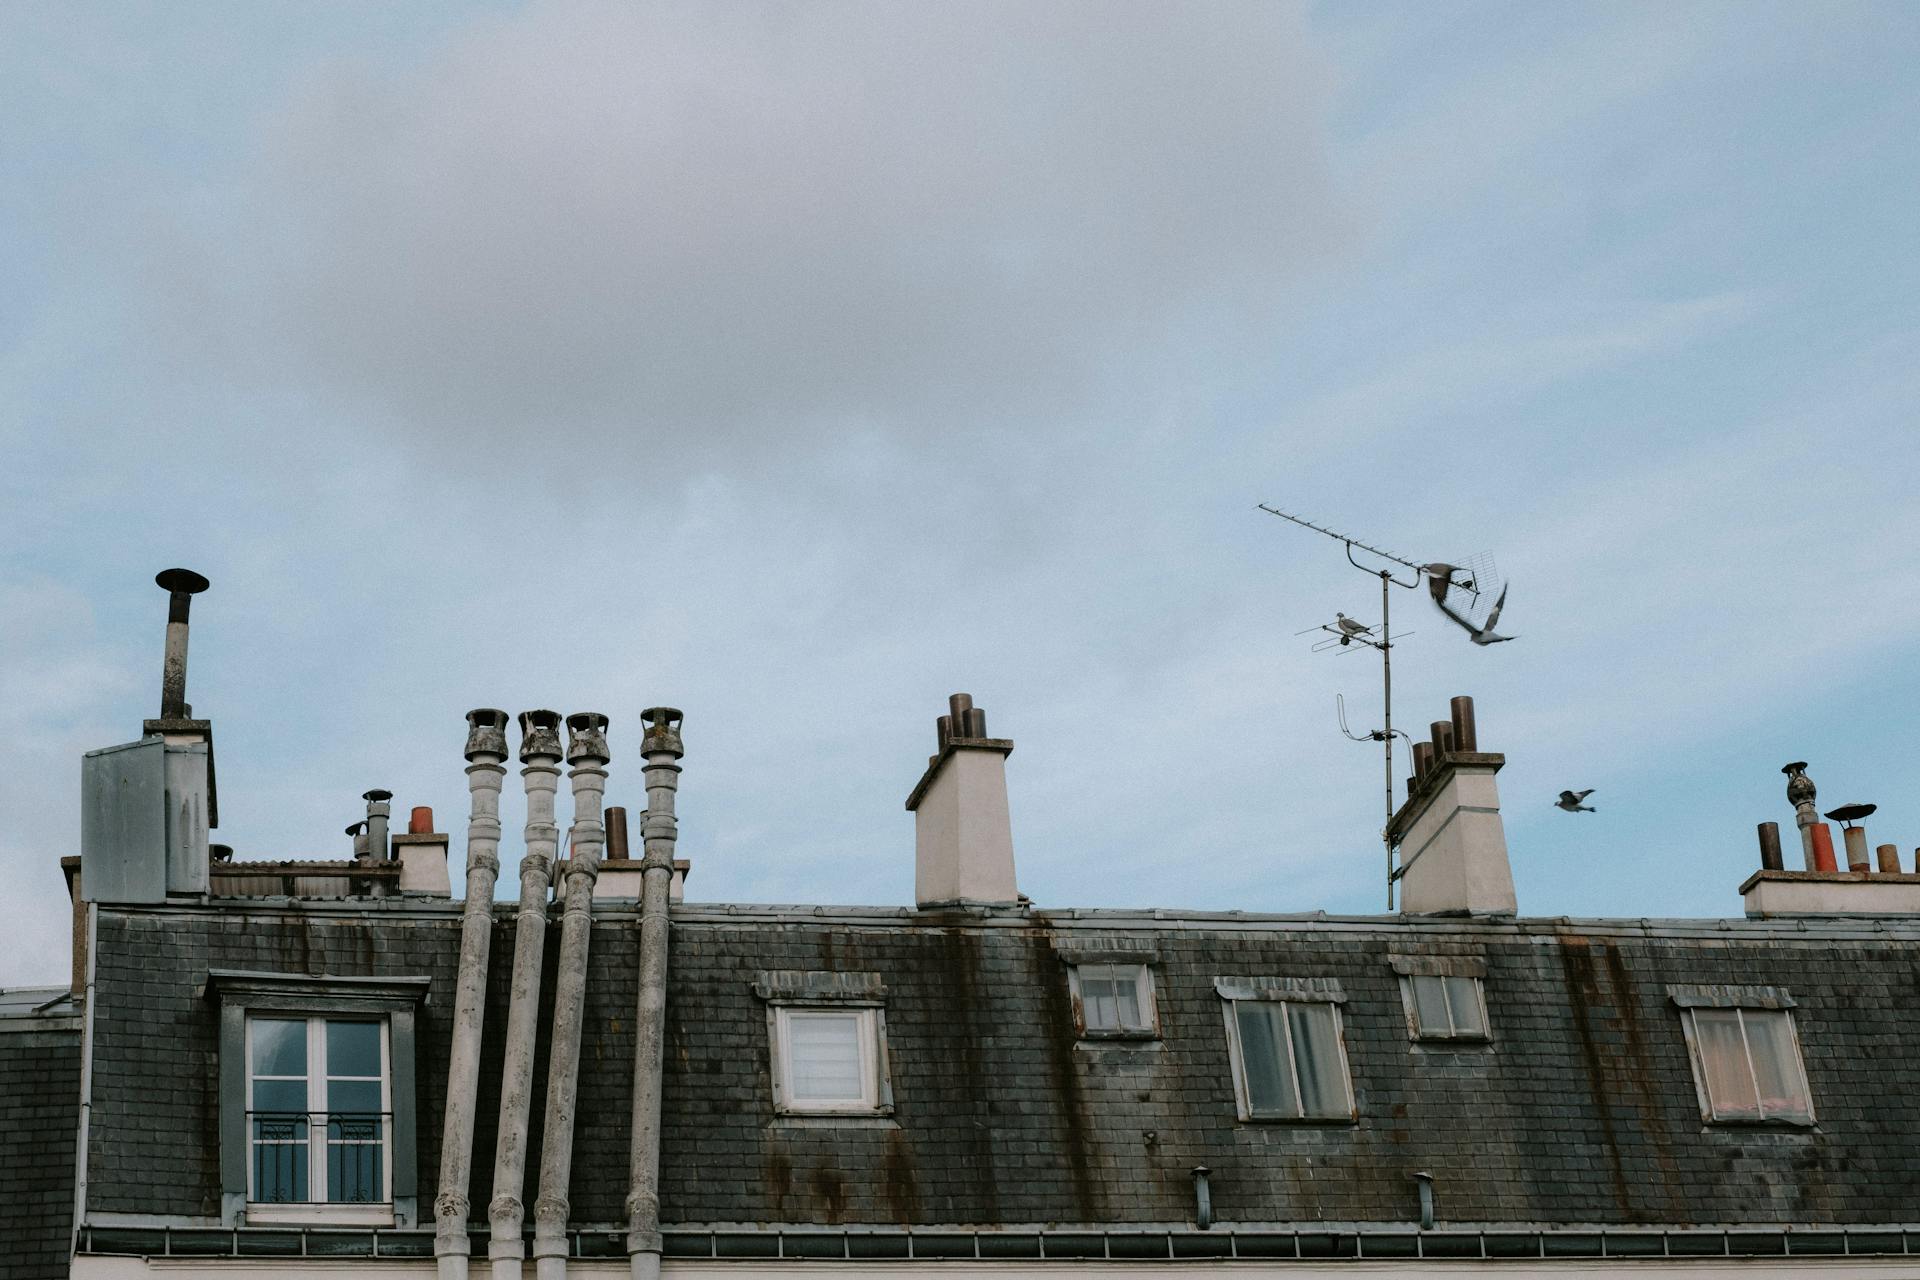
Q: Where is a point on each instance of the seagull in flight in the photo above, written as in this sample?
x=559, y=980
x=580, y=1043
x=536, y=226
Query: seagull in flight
x=1570, y=801
x=1349, y=627
x=1483, y=634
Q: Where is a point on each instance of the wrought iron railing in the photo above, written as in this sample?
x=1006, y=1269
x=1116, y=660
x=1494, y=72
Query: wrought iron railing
x=340, y=1155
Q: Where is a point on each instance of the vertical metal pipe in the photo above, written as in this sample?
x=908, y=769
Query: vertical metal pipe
x=486, y=756
x=1889, y=858
x=540, y=756
x=1425, y=1180
x=1441, y=732
x=1422, y=759
x=379, y=811
x=616, y=824
x=181, y=586
x=1770, y=847
x=1857, y=859
x=1202, y=1198
x=1466, y=735
x=587, y=753
x=662, y=748
x=1386, y=701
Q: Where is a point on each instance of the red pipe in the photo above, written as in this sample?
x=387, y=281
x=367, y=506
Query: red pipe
x=420, y=821
x=1823, y=847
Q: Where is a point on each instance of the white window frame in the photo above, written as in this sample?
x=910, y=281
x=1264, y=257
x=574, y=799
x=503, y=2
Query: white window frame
x=377, y=1212
x=876, y=1090
x=1236, y=992
x=1709, y=1109
x=1416, y=1030
x=1148, y=1028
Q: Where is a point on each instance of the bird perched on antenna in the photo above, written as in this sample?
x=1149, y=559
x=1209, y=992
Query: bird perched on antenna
x=1570, y=801
x=1350, y=627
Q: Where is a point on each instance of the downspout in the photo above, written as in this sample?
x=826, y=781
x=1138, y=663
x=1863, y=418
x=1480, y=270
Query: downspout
x=540, y=756
x=587, y=753
x=486, y=768
x=661, y=748
x=86, y=1080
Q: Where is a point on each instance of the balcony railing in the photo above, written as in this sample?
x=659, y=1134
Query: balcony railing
x=342, y=1155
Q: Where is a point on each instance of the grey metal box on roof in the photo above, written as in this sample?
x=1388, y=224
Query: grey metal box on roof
x=143, y=820
x=123, y=822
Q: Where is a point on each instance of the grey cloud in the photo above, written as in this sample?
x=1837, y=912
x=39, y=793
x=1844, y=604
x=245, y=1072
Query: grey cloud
x=771, y=221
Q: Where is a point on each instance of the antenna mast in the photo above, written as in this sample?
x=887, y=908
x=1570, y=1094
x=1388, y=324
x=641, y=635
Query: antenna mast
x=1384, y=644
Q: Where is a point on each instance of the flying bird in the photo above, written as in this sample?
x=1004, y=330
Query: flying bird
x=1570, y=801
x=1440, y=581
x=1349, y=627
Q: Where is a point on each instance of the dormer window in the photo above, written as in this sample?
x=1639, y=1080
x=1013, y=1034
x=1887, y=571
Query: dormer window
x=317, y=1123
x=1746, y=1054
x=1113, y=999
x=1288, y=1053
x=827, y=1043
x=1444, y=997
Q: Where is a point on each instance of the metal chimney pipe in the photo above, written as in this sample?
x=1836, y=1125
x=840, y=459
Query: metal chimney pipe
x=957, y=706
x=358, y=832
x=1770, y=847
x=1442, y=732
x=1857, y=859
x=1465, y=736
x=420, y=820
x=486, y=756
x=943, y=730
x=1422, y=759
x=378, y=811
x=1889, y=858
x=587, y=753
x=662, y=748
x=976, y=722
x=616, y=821
x=181, y=586
x=540, y=756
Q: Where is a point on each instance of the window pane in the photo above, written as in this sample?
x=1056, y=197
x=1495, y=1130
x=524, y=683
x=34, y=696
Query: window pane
x=1316, y=1056
x=1463, y=1002
x=279, y=1047
x=1429, y=1005
x=1724, y=1059
x=353, y=1049
x=1096, y=1001
x=280, y=1158
x=1126, y=997
x=1263, y=1058
x=1776, y=1065
x=825, y=1052
x=350, y=1097
x=280, y=1095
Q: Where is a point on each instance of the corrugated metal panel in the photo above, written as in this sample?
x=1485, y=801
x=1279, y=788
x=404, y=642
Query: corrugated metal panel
x=123, y=823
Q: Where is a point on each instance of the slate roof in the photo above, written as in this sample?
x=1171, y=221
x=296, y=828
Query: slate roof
x=39, y=1117
x=1581, y=1110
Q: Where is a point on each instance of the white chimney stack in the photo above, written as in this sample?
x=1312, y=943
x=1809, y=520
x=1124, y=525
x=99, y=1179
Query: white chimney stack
x=1453, y=847
x=962, y=834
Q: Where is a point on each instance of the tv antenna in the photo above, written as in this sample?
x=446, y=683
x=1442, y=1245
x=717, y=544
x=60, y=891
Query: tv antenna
x=1344, y=633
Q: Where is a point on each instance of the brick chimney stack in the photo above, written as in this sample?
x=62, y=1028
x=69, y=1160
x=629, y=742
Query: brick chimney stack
x=963, y=834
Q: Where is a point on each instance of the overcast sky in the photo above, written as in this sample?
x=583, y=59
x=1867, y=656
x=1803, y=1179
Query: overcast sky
x=801, y=364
